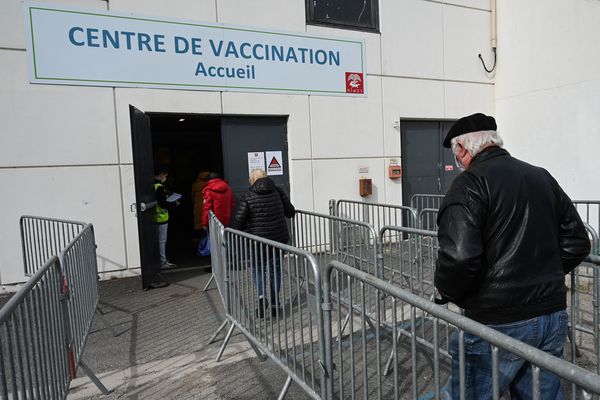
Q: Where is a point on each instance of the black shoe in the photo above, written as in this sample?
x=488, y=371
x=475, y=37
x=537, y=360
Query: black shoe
x=157, y=285
x=260, y=311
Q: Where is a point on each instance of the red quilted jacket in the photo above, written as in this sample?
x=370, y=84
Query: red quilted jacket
x=218, y=198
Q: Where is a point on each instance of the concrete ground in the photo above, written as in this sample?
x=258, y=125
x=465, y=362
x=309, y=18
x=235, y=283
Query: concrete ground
x=162, y=349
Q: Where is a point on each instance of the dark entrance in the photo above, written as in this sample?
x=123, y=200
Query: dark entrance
x=189, y=144
x=428, y=167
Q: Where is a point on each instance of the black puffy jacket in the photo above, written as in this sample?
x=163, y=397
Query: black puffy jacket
x=262, y=211
x=508, y=234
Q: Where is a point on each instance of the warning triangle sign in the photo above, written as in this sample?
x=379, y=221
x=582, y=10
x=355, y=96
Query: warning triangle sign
x=274, y=163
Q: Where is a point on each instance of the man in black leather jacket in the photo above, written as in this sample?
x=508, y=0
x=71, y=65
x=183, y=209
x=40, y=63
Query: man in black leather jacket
x=263, y=211
x=508, y=234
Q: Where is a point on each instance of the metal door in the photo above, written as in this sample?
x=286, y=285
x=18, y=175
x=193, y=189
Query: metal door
x=243, y=135
x=143, y=169
x=420, y=159
x=448, y=170
x=428, y=167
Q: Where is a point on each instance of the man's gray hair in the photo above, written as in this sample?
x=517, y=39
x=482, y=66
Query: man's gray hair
x=475, y=142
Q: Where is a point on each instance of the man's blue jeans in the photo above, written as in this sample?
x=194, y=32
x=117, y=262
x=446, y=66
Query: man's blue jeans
x=547, y=333
x=266, y=268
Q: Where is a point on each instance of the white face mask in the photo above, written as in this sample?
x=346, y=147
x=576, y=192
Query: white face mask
x=458, y=164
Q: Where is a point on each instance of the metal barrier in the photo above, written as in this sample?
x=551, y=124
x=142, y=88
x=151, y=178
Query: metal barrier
x=375, y=214
x=329, y=237
x=42, y=238
x=428, y=219
x=356, y=362
x=215, y=229
x=291, y=333
x=421, y=201
x=32, y=306
x=79, y=263
x=408, y=258
x=34, y=359
x=584, y=307
x=589, y=210
x=218, y=256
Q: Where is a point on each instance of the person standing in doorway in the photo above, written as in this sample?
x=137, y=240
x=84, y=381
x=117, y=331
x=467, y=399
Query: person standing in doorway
x=263, y=211
x=507, y=235
x=161, y=218
x=218, y=198
x=198, y=199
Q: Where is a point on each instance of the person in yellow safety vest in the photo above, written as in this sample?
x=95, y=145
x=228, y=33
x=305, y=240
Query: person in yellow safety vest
x=161, y=218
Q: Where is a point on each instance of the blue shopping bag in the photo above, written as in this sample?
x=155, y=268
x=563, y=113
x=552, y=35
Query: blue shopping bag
x=203, y=247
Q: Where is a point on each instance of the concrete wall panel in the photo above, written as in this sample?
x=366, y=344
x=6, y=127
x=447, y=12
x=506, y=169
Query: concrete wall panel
x=412, y=38
x=12, y=31
x=51, y=192
x=347, y=127
x=46, y=125
x=467, y=98
x=198, y=10
x=467, y=33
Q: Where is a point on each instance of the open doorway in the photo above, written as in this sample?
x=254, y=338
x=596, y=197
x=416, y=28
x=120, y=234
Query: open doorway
x=187, y=145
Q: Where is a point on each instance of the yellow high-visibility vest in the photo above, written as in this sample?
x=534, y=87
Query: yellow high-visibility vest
x=162, y=214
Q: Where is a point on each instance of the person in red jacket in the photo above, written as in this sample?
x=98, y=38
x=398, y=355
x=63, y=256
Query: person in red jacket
x=218, y=198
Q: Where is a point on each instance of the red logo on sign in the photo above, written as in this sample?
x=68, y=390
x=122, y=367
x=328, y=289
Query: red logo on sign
x=274, y=163
x=354, y=82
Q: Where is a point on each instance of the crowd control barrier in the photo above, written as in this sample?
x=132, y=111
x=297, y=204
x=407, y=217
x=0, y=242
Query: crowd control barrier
x=589, y=210
x=420, y=201
x=584, y=307
x=42, y=238
x=215, y=230
x=285, y=327
x=34, y=352
x=329, y=237
x=355, y=316
x=375, y=214
x=47, y=322
x=74, y=243
x=357, y=359
x=408, y=258
x=428, y=219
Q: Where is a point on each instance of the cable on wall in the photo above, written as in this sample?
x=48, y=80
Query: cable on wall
x=483, y=62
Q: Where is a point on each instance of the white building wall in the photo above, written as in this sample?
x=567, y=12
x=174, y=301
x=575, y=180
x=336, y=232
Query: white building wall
x=68, y=149
x=548, y=88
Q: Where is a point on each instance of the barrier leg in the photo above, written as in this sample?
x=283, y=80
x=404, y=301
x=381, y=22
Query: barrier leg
x=297, y=296
x=212, y=278
x=570, y=337
x=344, y=324
x=388, y=364
x=107, y=324
x=259, y=354
x=214, y=337
x=227, y=337
x=93, y=377
x=286, y=386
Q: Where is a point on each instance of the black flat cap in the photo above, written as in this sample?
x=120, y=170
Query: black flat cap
x=472, y=123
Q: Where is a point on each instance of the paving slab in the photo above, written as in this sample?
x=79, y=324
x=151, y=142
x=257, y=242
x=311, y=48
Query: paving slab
x=162, y=349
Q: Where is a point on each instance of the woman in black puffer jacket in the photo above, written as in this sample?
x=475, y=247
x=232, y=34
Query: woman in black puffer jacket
x=262, y=212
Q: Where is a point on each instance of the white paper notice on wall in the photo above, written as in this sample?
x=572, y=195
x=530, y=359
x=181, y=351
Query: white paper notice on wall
x=274, y=163
x=256, y=160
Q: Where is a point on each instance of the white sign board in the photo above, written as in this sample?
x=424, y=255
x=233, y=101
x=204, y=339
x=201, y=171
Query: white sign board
x=256, y=160
x=71, y=46
x=274, y=163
